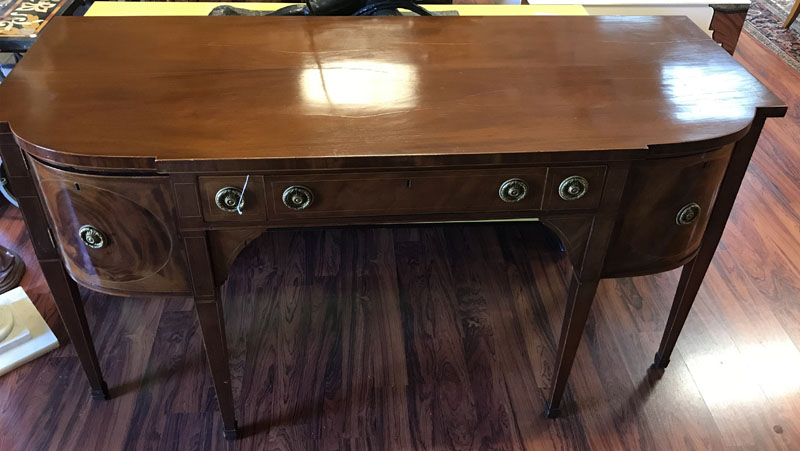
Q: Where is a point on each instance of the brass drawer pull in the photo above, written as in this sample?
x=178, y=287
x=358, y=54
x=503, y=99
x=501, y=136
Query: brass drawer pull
x=297, y=197
x=513, y=190
x=573, y=187
x=688, y=214
x=229, y=199
x=92, y=237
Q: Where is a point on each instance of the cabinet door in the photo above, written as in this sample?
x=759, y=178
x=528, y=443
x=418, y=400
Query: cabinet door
x=115, y=233
x=664, y=213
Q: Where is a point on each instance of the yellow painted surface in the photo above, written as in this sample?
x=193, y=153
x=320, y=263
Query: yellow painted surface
x=203, y=8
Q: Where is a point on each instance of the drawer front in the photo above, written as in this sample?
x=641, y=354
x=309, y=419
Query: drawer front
x=666, y=207
x=352, y=195
x=574, y=188
x=218, y=196
x=115, y=233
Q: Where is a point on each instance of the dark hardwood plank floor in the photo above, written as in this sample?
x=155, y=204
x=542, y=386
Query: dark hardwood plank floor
x=442, y=337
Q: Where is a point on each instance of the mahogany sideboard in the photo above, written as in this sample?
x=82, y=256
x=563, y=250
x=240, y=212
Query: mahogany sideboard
x=147, y=152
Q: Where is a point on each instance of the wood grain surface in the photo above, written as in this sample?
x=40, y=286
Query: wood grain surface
x=444, y=338
x=663, y=244
x=726, y=24
x=141, y=253
x=399, y=91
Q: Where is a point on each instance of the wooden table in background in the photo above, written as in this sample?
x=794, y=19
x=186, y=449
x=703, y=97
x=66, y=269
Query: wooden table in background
x=21, y=21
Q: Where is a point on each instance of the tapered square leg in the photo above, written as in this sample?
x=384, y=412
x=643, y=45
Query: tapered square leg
x=552, y=412
x=691, y=279
x=208, y=305
x=579, y=303
x=587, y=270
x=70, y=307
x=233, y=433
x=65, y=292
x=694, y=271
x=101, y=393
x=209, y=313
x=659, y=362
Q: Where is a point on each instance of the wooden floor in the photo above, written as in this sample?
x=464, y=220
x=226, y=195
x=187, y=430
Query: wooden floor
x=443, y=338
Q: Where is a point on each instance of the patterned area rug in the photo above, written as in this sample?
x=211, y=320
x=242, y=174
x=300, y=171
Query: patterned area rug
x=765, y=23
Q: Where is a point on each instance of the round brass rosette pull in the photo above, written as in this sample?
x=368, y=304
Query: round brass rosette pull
x=92, y=237
x=229, y=198
x=573, y=187
x=513, y=190
x=297, y=197
x=688, y=214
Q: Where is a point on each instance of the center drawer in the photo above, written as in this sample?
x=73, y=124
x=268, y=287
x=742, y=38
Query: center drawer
x=343, y=195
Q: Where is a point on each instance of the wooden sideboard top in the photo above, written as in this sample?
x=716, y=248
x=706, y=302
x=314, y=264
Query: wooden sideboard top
x=128, y=92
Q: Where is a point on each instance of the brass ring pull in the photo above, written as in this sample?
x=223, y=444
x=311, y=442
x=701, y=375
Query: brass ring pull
x=688, y=214
x=573, y=187
x=92, y=237
x=229, y=199
x=513, y=190
x=297, y=197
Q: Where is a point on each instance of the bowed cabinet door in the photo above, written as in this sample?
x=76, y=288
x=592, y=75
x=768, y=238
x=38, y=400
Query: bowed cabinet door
x=664, y=212
x=115, y=233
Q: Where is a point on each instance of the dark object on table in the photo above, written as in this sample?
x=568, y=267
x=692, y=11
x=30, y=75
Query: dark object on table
x=330, y=8
x=11, y=270
x=228, y=10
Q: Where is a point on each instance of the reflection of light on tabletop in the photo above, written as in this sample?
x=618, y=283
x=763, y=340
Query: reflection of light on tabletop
x=363, y=87
x=740, y=376
x=695, y=92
